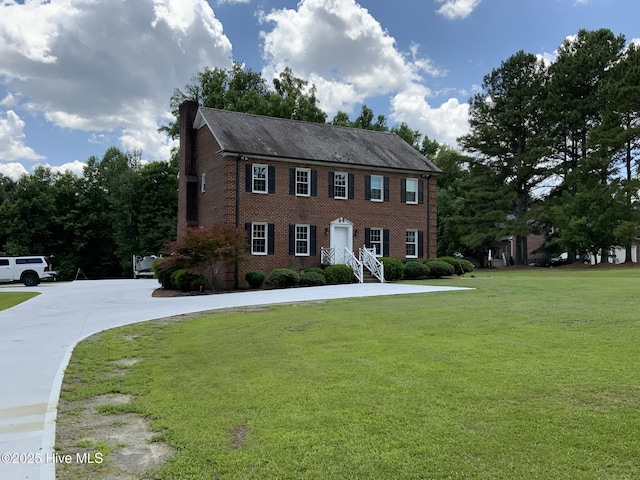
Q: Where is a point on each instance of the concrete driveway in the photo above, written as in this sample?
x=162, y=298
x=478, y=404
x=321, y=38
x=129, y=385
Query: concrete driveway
x=37, y=338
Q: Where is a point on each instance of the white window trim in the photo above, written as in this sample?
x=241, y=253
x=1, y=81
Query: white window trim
x=266, y=238
x=379, y=245
x=253, y=178
x=308, y=240
x=414, y=243
x=307, y=183
x=381, y=199
x=415, y=182
x=346, y=185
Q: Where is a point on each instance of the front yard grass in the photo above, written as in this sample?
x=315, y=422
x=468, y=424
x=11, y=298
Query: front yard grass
x=11, y=299
x=532, y=375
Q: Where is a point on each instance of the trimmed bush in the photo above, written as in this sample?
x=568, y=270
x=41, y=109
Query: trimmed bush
x=282, y=278
x=315, y=270
x=460, y=265
x=163, y=274
x=415, y=270
x=438, y=268
x=338, y=274
x=393, y=269
x=184, y=280
x=311, y=279
x=255, y=279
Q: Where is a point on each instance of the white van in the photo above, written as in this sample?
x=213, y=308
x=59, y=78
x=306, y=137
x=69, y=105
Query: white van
x=29, y=269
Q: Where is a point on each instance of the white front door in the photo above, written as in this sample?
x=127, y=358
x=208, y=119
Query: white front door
x=341, y=240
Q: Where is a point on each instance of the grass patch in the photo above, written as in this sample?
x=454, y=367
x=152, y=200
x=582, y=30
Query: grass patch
x=534, y=374
x=11, y=299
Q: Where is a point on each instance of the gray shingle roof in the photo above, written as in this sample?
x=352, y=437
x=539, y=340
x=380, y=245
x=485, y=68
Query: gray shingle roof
x=255, y=135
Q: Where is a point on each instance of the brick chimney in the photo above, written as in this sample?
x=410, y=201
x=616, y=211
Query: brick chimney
x=188, y=168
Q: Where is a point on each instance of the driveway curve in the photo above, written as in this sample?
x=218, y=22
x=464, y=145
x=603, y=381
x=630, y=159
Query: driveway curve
x=37, y=338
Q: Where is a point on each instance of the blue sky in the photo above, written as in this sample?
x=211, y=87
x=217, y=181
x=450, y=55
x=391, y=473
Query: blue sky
x=79, y=76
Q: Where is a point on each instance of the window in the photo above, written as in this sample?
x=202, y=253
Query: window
x=260, y=178
x=340, y=185
x=412, y=244
x=203, y=183
x=375, y=240
x=376, y=188
x=303, y=181
x=259, y=238
x=411, y=190
x=302, y=240
x=25, y=261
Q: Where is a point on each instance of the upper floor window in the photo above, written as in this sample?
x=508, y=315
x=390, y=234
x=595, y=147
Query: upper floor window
x=260, y=178
x=411, y=186
x=303, y=182
x=376, y=188
x=340, y=185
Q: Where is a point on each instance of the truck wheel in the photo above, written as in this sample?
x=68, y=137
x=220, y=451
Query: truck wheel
x=30, y=280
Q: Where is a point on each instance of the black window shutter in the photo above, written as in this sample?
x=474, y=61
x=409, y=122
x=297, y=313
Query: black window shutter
x=367, y=187
x=271, y=239
x=292, y=181
x=314, y=183
x=332, y=180
x=312, y=241
x=403, y=190
x=367, y=237
x=386, y=189
x=249, y=176
x=420, y=191
x=420, y=252
x=247, y=228
x=385, y=242
x=352, y=183
x=292, y=239
x=272, y=179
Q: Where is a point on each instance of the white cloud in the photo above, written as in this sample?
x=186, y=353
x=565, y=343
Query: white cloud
x=454, y=9
x=100, y=65
x=12, y=137
x=13, y=170
x=76, y=168
x=338, y=46
x=444, y=123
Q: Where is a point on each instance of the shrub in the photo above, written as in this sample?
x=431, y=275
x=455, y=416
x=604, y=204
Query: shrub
x=282, y=278
x=338, y=274
x=315, y=270
x=393, y=269
x=310, y=279
x=414, y=270
x=186, y=281
x=460, y=265
x=255, y=279
x=438, y=268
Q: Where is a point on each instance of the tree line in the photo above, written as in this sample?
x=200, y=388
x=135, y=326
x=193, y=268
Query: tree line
x=552, y=150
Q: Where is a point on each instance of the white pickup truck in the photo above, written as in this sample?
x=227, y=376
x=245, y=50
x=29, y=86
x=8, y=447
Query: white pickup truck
x=29, y=269
x=143, y=265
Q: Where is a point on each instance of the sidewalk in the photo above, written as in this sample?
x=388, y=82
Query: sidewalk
x=37, y=338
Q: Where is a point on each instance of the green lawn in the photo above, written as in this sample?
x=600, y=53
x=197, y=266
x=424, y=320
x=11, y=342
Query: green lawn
x=533, y=375
x=11, y=299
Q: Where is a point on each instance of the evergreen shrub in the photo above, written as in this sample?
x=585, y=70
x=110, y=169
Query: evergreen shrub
x=415, y=270
x=282, y=278
x=338, y=274
x=255, y=278
x=393, y=269
x=438, y=268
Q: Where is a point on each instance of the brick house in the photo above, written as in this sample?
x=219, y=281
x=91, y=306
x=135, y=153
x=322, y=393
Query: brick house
x=307, y=194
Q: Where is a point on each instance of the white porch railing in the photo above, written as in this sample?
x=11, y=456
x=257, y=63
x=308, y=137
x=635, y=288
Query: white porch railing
x=327, y=256
x=369, y=260
x=354, y=263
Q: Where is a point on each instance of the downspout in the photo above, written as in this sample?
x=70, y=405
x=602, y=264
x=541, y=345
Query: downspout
x=428, y=216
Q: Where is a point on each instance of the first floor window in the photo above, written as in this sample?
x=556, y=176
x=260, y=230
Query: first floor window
x=412, y=244
x=302, y=240
x=259, y=239
x=375, y=240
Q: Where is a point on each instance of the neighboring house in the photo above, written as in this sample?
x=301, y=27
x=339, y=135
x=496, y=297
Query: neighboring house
x=307, y=194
